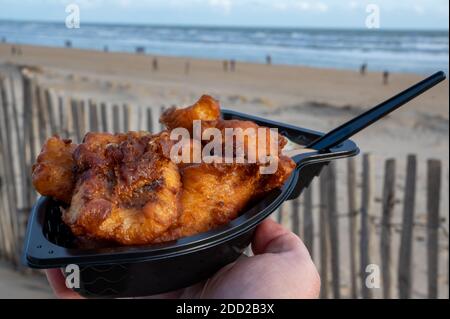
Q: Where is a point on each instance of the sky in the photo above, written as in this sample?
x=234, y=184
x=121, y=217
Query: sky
x=394, y=14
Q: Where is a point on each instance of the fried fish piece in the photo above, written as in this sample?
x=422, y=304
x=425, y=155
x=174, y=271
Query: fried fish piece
x=53, y=174
x=213, y=195
x=127, y=190
x=205, y=109
x=253, y=141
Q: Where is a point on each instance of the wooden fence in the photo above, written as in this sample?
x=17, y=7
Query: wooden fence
x=31, y=112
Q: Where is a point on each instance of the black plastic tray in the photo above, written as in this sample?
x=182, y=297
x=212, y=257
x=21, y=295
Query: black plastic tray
x=152, y=269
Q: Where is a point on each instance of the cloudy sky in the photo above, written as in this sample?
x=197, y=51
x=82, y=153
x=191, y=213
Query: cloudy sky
x=403, y=14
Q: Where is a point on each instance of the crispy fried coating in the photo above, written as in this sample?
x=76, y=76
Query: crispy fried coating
x=254, y=141
x=53, y=172
x=205, y=109
x=127, y=190
x=213, y=195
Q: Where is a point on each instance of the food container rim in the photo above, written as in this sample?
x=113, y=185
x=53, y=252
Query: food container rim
x=39, y=252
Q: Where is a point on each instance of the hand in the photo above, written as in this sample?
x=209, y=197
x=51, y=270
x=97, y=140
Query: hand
x=280, y=268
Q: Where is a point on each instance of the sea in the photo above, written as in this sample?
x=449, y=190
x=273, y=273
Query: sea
x=412, y=51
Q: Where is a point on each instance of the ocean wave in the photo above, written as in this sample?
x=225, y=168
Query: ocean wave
x=402, y=51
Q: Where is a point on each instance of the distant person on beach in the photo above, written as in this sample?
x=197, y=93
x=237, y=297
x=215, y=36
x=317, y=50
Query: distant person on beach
x=363, y=69
x=232, y=65
x=140, y=50
x=269, y=59
x=155, y=64
x=68, y=44
x=187, y=67
x=105, y=48
x=3, y=40
x=16, y=50
x=225, y=65
x=386, y=77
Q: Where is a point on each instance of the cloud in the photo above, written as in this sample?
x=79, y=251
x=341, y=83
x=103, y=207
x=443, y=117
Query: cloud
x=418, y=8
x=353, y=4
x=300, y=5
x=319, y=6
x=224, y=5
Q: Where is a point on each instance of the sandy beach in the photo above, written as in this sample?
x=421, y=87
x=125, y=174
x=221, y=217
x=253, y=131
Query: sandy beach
x=318, y=99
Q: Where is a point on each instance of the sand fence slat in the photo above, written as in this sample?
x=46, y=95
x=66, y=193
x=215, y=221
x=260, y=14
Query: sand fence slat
x=366, y=233
x=84, y=117
x=8, y=169
x=286, y=216
x=69, y=125
x=324, y=234
x=126, y=117
x=104, y=117
x=406, y=241
x=52, y=112
x=388, y=204
x=21, y=172
x=116, y=119
x=134, y=117
x=434, y=171
x=14, y=144
x=161, y=111
x=42, y=114
x=93, y=116
x=308, y=220
x=149, y=119
x=277, y=215
x=296, y=217
x=353, y=226
x=75, y=108
x=35, y=120
x=8, y=245
x=63, y=131
x=333, y=229
x=6, y=249
x=138, y=119
x=29, y=126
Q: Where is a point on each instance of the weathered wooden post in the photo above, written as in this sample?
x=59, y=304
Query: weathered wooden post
x=388, y=201
x=333, y=229
x=353, y=226
x=365, y=247
x=324, y=233
x=406, y=244
x=93, y=116
x=433, y=201
x=116, y=119
x=149, y=120
x=308, y=221
x=295, y=216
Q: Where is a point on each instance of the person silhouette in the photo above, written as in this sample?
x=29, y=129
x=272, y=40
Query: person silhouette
x=363, y=69
x=386, y=77
x=232, y=65
x=225, y=65
x=155, y=64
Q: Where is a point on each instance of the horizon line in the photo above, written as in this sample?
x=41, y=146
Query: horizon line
x=226, y=26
